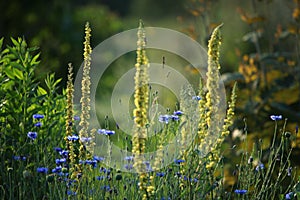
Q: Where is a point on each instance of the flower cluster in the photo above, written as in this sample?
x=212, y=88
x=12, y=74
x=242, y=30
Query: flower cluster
x=105, y=132
x=276, y=117
x=167, y=118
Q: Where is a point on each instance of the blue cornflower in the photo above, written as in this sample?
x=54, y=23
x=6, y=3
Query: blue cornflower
x=276, y=117
x=64, y=153
x=71, y=193
x=38, y=124
x=198, y=98
x=105, y=132
x=289, y=195
x=23, y=158
x=164, y=119
x=128, y=166
x=32, y=135
x=99, y=178
x=178, y=161
x=38, y=116
x=259, y=167
x=98, y=159
x=160, y=174
x=76, y=118
x=73, y=138
x=57, y=149
x=104, y=170
x=194, y=179
x=178, y=112
x=148, y=166
x=60, y=161
x=90, y=162
x=175, y=117
x=42, y=170
x=105, y=187
x=85, y=139
x=240, y=191
x=57, y=169
x=129, y=158
x=166, y=198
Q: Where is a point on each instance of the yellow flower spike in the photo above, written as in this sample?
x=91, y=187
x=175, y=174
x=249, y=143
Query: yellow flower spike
x=141, y=108
x=85, y=93
x=70, y=121
x=210, y=100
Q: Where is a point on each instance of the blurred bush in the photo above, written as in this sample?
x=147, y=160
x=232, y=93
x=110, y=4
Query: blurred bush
x=56, y=26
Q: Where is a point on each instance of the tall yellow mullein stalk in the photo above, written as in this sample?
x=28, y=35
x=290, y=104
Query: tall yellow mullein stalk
x=208, y=105
x=140, y=112
x=70, y=122
x=85, y=92
x=230, y=113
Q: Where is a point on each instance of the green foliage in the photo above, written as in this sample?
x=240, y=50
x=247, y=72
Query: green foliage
x=21, y=98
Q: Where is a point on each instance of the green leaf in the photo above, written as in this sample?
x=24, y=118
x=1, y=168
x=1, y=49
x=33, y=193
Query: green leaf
x=17, y=66
x=9, y=73
x=15, y=42
x=1, y=43
x=41, y=91
x=34, y=60
x=18, y=74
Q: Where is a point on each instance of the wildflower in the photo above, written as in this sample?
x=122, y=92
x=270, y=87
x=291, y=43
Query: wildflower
x=105, y=132
x=73, y=138
x=38, y=124
x=38, y=116
x=164, y=119
x=60, y=161
x=240, y=191
x=129, y=158
x=64, y=153
x=85, y=92
x=174, y=117
x=160, y=174
x=98, y=159
x=43, y=170
x=178, y=112
x=128, y=167
x=57, y=149
x=32, y=135
x=198, y=98
x=85, y=139
x=99, y=178
x=289, y=195
x=71, y=193
x=259, y=167
x=276, y=117
x=105, y=187
x=91, y=162
x=22, y=158
x=76, y=118
x=178, y=161
x=57, y=169
x=194, y=179
x=104, y=170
